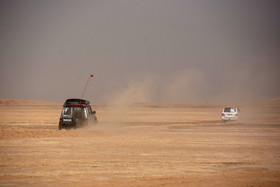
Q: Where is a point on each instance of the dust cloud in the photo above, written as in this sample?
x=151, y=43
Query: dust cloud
x=250, y=79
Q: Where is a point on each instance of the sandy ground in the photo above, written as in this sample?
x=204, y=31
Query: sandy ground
x=144, y=145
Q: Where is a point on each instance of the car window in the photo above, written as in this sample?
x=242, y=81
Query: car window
x=86, y=112
x=89, y=109
x=227, y=110
x=67, y=111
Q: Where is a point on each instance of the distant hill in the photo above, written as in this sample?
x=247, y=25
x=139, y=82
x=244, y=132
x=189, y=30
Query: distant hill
x=24, y=102
x=275, y=100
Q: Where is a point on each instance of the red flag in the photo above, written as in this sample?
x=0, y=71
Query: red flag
x=91, y=75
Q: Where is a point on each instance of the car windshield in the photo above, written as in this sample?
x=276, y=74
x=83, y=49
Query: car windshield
x=229, y=109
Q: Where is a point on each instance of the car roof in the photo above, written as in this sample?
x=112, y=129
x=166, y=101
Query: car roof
x=76, y=102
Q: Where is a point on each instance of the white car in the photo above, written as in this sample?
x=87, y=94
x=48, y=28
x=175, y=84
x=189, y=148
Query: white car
x=230, y=113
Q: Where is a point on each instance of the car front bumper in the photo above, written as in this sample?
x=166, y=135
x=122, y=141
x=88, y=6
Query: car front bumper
x=229, y=118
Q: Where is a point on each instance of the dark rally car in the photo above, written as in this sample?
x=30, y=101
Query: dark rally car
x=76, y=113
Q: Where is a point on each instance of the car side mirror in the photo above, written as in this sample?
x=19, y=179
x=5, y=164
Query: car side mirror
x=93, y=112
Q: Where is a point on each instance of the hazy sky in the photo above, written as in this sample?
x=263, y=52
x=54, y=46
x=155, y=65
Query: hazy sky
x=158, y=51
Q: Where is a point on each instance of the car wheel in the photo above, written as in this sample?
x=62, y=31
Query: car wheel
x=95, y=120
x=60, y=126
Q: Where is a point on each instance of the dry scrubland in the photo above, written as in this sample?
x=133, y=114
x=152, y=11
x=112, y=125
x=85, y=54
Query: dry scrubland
x=143, y=145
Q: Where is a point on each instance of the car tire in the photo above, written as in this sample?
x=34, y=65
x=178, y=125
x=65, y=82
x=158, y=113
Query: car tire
x=60, y=127
x=95, y=120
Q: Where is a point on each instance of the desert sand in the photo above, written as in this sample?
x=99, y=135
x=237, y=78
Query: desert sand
x=140, y=145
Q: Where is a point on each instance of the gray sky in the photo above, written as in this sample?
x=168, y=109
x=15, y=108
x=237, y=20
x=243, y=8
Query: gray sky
x=158, y=51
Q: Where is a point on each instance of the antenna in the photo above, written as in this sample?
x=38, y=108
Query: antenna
x=91, y=75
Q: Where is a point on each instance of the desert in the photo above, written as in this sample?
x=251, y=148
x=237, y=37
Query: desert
x=163, y=77
x=140, y=145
